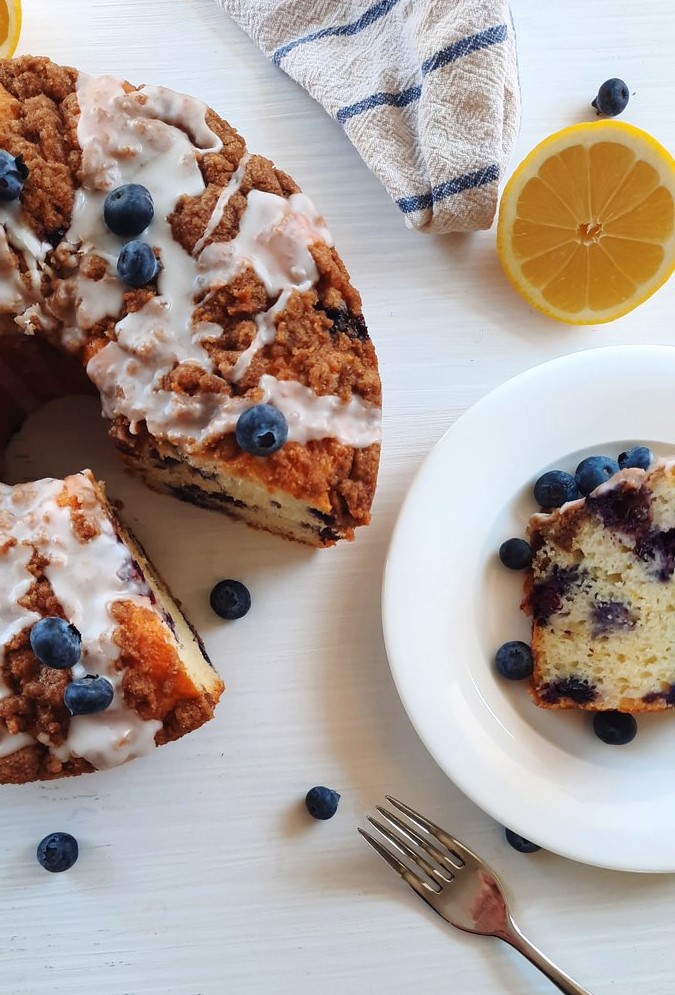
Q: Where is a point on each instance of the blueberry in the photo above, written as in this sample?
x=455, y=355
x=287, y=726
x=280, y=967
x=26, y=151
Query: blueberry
x=322, y=802
x=88, y=695
x=614, y=728
x=261, y=430
x=612, y=97
x=230, y=599
x=593, y=471
x=57, y=852
x=519, y=843
x=136, y=264
x=513, y=660
x=13, y=173
x=554, y=488
x=128, y=210
x=56, y=643
x=516, y=554
x=639, y=456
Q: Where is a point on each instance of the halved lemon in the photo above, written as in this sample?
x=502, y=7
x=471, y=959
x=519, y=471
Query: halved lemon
x=10, y=27
x=586, y=227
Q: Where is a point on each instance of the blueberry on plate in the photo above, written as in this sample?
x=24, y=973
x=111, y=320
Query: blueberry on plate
x=230, y=599
x=513, y=660
x=57, y=852
x=519, y=842
x=639, y=456
x=612, y=97
x=554, y=488
x=136, y=264
x=516, y=554
x=128, y=210
x=615, y=728
x=88, y=695
x=13, y=174
x=261, y=430
x=322, y=802
x=55, y=642
x=593, y=471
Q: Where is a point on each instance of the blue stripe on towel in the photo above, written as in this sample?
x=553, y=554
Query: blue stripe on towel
x=469, y=181
x=458, y=49
x=368, y=17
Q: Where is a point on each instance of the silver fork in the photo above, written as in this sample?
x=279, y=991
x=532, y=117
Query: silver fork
x=459, y=886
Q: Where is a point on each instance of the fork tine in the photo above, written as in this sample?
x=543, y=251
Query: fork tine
x=423, y=889
x=408, y=851
x=456, y=847
x=418, y=840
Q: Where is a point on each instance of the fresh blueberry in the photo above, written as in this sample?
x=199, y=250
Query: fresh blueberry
x=639, y=456
x=261, y=430
x=136, y=264
x=614, y=728
x=516, y=554
x=128, y=210
x=554, y=488
x=56, y=643
x=57, y=852
x=230, y=599
x=593, y=471
x=322, y=802
x=519, y=843
x=13, y=173
x=513, y=660
x=612, y=97
x=88, y=695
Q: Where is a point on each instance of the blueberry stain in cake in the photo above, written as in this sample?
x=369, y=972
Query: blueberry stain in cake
x=625, y=509
x=56, y=643
x=593, y=471
x=261, y=430
x=657, y=551
x=610, y=616
x=128, y=210
x=88, y=695
x=322, y=802
x=547, y=595
x=57, y=852
x=516, y=554
x=55, y=236
x=353, y=325
x=640, y=457
x=554, y=488
x=612, y=97
x=614, y=728
x=576, y=689
x=230, y=599
x=513, y=660
x=519, y=842
x=137, y=265
x=13, y=174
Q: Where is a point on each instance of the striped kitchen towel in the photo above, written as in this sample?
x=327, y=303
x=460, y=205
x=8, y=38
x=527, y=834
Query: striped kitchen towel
x=427, y=90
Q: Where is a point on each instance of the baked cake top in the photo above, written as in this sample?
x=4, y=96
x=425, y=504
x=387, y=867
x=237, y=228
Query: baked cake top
x=251, y=304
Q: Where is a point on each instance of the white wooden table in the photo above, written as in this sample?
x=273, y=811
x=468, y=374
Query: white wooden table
x=199, y=873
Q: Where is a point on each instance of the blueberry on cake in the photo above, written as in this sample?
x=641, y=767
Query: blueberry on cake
x=195, y=283
x=601, y=593
x=98, y=664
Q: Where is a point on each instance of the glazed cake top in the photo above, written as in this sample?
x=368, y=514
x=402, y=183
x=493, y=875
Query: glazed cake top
x=251, y=304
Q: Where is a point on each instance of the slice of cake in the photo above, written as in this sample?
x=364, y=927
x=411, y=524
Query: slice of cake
x=194, y=282
x=64, y=555
x=601, y=594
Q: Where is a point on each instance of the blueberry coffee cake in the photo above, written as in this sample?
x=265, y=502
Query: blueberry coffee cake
x=200, y=290
x=99, y=664
x=601, y=593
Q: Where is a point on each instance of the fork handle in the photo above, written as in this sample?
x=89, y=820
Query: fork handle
x=562, y=981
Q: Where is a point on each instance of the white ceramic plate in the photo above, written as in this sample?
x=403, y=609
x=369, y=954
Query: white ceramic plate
x=448, y=604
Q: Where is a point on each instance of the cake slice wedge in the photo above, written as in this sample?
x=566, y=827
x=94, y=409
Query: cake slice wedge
x=64, y=554
x=601, y=593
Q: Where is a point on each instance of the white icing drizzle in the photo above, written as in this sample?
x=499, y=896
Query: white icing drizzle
x=224, y=198
x=14, y=232
x=87, y=578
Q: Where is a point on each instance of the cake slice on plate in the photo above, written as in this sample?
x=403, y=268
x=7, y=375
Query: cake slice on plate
x=601, y=594
x=98, y=664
